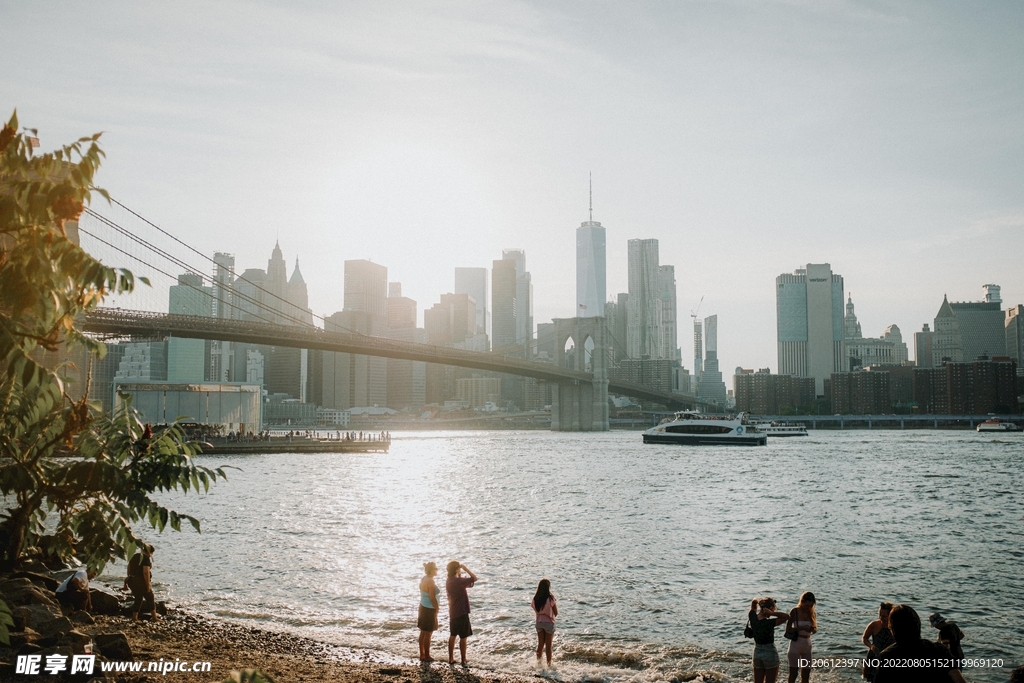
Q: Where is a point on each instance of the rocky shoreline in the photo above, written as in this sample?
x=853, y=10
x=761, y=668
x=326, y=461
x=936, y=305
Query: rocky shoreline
x=42, y=628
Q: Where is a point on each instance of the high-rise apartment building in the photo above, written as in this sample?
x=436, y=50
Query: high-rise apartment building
x=669, y=312
x=366, y=290
x=504, y=304
x=473, y=281
x=644, y=335
x=698, y=348
x=809, y=308
x=591, y=290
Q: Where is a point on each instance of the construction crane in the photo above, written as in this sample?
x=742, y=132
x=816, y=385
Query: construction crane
x=693, y=313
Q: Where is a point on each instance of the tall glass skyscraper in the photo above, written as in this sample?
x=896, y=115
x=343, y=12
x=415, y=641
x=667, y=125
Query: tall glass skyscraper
x=590, y=270
x=809, y=306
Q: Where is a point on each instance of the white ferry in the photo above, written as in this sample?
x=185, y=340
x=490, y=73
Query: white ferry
x=996, y=425
x=782, y=428
x=699, y=429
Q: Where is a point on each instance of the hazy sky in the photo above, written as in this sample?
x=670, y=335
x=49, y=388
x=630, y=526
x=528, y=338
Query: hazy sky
x=886, y=138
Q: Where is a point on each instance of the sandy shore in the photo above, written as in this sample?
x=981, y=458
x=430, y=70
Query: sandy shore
x=229, y=646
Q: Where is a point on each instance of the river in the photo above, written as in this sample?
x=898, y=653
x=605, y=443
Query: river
x=654, y=552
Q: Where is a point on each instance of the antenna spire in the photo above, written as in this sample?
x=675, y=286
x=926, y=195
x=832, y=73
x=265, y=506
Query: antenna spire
x=591, y=173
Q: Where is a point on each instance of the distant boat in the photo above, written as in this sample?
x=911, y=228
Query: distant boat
x=996, y=425
x=699, y=429
x=782, y=428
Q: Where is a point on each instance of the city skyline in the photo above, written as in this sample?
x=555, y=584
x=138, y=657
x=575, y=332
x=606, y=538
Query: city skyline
x=744, y=140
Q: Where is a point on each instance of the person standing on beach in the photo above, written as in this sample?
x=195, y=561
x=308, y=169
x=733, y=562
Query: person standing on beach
x=803, y=620
x=763, y=622
x=140, y=581
x=546, y=609
x=427, y=620
x=877, y=637
x=458, y=608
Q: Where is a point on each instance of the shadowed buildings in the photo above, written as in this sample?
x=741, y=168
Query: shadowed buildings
x=473, y=281
x=964, y=331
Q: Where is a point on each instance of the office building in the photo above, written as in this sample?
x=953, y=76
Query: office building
x=644, y=336
x=473, y=281
x=590, y=268
x=809, y=308
x=669, y=312
x=451, y=321
x=503, y=304
x=186, y=358
x=1015, y=335
x=401, y=309
x=982, y=325
x=710, y=387
x=476, y=391
x=221, y=352
x=863, y=352
x=351, y=380
x=524, y=300
x=947, y=342
x=923, y=356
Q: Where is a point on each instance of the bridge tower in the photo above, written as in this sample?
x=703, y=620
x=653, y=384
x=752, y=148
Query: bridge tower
x=577, y=406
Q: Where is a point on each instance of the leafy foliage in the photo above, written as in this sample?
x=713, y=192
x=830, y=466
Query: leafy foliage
x=56, y=454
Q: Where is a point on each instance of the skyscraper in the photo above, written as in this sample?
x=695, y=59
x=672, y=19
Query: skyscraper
x=524, y=299
x=711, y=387
x=590, y=267
x=698, y=347
x=982, y=325
x=186, y=358
x=669, y=312
x=644, y=337
x=221, y=352
x=473, y=281
x=503, y=304
x=809, y=307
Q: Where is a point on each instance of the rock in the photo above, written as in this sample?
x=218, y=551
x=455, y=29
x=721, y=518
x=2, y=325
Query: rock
x=19, y=638
x=104, y=603
x=24, y=592
x=76, y=640
x=28, y=649
x=54, y=627
x=41, y=580
x=32, y=615
x=161, y=608
x=114, y=646
x=81, y=618
x=57, y=650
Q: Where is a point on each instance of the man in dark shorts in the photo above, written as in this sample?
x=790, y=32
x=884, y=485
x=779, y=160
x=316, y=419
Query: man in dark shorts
x=911, y=657
x=458, y=608
x=140, y=582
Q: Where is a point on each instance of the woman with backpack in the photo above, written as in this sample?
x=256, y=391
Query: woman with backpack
x=546, y=609
x=761, y=625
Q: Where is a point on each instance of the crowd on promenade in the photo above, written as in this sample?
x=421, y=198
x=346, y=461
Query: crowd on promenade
x=896, y=649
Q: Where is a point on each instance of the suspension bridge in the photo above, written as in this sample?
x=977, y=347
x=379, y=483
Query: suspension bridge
x=121, y=237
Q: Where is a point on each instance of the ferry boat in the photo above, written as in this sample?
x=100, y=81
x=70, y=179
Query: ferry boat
x=699, y=429
x=782, y=428
x=994, y=424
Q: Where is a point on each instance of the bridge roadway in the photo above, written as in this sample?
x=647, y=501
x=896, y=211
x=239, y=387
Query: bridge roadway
x=144, y=324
